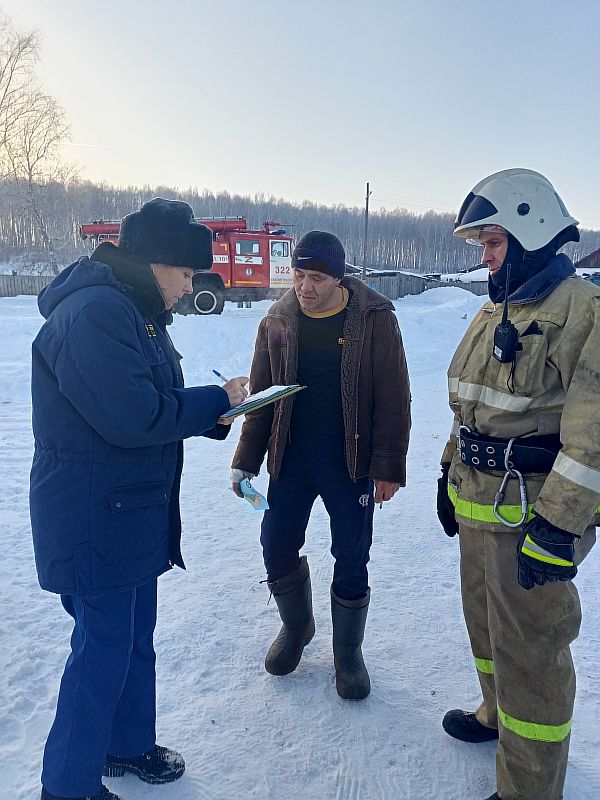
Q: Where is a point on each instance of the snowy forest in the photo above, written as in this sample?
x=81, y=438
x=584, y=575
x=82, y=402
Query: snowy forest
x=35, y=236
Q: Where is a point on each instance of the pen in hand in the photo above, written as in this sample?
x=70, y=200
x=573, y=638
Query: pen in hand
x=235, y=388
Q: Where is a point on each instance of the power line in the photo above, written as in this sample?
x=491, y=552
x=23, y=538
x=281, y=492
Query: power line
x=381, y=199
x=408, y=198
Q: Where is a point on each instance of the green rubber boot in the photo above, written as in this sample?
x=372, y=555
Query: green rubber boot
x=349, y=620
x=294, y=600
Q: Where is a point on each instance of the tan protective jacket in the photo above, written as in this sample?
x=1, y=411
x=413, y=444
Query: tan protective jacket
x=556, y=391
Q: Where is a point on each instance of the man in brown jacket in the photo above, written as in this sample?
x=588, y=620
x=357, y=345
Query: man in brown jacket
x=343, y=438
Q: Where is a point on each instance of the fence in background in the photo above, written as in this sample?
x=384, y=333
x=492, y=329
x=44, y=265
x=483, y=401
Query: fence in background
x=395, y=286
x=13, y=285
x=392, y=286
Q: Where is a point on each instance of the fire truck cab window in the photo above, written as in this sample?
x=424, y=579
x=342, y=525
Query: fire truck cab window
x=280, y=249
x=247, y=247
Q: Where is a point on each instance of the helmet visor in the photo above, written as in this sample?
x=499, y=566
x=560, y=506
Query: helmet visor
x=475, y=209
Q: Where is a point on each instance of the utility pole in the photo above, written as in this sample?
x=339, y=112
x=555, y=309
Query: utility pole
x=364, y=265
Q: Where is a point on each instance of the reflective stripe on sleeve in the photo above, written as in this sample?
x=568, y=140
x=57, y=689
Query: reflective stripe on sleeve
x=453, y=385
x=485, y=665
x=485, y=513
x=578, y=473
x=534, y=730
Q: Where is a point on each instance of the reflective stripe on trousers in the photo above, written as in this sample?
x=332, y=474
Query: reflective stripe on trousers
x=533, y=730
x=520, y=640
x=528, y=730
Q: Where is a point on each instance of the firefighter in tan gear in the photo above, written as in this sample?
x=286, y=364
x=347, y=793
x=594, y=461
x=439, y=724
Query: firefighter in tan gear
x=521, y=476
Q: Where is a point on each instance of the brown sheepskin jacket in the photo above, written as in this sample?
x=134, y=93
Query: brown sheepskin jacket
x=374, y=385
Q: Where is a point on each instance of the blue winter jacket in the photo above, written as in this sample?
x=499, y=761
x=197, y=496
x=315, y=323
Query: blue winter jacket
x=109, y=416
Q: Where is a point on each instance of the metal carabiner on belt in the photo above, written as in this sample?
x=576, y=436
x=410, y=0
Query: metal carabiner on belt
x=511, y=472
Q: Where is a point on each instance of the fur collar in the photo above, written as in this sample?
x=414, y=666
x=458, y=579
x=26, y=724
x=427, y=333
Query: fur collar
x=136, y=279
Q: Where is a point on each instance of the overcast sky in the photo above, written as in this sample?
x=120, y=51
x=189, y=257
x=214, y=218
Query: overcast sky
x=309, y=100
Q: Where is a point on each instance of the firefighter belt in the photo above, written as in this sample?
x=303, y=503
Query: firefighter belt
x=487, y=453
x=516, y=456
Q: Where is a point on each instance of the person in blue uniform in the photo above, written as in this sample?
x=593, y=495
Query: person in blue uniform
x=110, y=412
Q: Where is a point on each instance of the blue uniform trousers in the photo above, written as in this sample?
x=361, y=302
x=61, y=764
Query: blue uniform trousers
x=305, y=475
x=107, y=698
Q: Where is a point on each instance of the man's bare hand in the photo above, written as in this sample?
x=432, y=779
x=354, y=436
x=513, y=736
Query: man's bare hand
x=385, y=490
x=238, y=475
x=236, y=391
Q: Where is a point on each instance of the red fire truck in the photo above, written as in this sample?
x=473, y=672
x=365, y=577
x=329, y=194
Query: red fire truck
x=247, y=265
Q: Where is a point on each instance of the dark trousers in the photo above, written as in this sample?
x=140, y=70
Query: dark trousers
x=350, y=508
x=106, y=703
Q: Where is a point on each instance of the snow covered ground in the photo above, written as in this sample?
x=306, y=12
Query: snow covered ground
x=245, y=734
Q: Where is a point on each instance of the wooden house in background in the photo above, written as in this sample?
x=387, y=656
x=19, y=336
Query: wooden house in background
x=591, y=261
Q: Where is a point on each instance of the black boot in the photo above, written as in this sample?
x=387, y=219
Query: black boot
x=349, y=619
x=494, y=796
x=466, y=727
x=158, y=765
x=104, y=795
x=294, y=600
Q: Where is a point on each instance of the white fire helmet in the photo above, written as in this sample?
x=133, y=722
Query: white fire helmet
x=521, y=202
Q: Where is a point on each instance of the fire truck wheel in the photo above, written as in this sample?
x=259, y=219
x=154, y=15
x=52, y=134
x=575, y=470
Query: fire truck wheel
x=208, y=300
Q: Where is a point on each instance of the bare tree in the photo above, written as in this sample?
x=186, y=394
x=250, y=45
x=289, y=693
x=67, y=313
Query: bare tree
x=32, y=128
x=19, y=54
x=34, y=163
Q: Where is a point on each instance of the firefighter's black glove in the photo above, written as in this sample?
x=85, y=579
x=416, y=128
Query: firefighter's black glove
x=544, y=554
x=445, y=509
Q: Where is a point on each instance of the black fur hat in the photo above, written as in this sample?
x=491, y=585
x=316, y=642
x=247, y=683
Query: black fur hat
x=165, y=232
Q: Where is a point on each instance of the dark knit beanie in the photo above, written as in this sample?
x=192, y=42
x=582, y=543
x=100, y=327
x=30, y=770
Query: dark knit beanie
x=165, y=232
x=322, y=252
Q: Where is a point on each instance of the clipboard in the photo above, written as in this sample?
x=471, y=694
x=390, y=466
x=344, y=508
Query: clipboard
x=260, y=399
